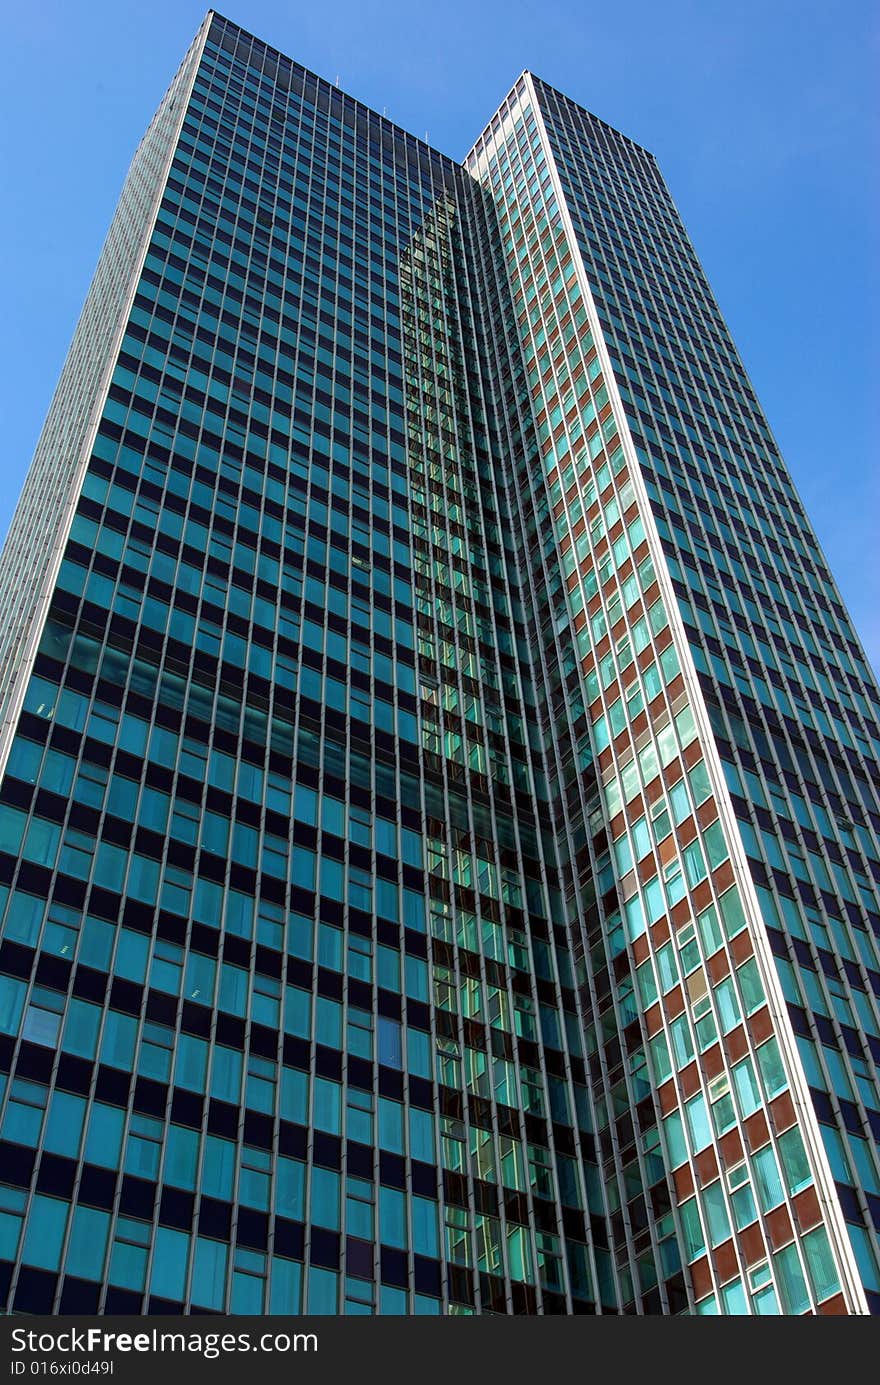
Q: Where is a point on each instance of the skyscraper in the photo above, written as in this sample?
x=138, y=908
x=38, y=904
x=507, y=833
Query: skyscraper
x=439, y=820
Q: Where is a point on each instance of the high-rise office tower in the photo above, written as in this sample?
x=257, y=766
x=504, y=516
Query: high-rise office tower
x=439, y=822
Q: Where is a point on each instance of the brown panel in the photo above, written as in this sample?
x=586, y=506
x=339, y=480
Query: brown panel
x=687, y=832
x=718, y=966
x=702, y=896
x=681, y=912
x=779, y=1227
x=684, y=1182
x=692, y=754
x=834, y=1307
x=623, y=738
x=668, y=1098
x=731, y=1148
x=667, y=849
x=654, y=1020
x=652, y=789
x=689, y=1079
x=726, y=1263
x=737, y=1044
x=701, y=1277
x=741, y=947
x=707, y=813
x=782, y=1112
x=647, y=869
x=713, y=1061
x=641, y=949
x=757, y=1130
x=673, y=772
x=660, y=932
x=752, y=1245
x=674, y=1003
x=644, y=658
x=807, y=1209
x=760, y=1025
x=706, y=1165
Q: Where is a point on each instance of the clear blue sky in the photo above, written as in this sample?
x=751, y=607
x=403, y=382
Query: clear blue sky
x=762, y=114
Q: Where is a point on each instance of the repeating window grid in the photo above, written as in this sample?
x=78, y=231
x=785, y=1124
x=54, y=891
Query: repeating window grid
x=592, y=1265
x=652, y=247
x=250, y=1267
x=593, y=1002
x=449, y=866
x=741, y=644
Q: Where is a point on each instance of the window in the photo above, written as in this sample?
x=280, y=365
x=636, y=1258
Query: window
x=44, y=1234
x=260, y=1084
x=820, y=1264
x=42, y=1018
x=144, y=1147
x=741, y=1198
x=248, y=1281
x=209, y=1273
x=704, y=1022
x=762, y=1294
x=694, y=1240
x=389, y=1043
x=772, y=1069
x=128, y=1260
x=767, y=1180
x=698, y=1123
x=359, y=1033
x=723, y=1112
x=716, y=1212
x=747, y=1090
x=25, y=1109
x=790, y=1276
x=254, y=1177
x=87, y=1246
x=795, y=1164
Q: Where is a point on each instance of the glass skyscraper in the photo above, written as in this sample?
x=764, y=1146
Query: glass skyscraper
x=439, y=807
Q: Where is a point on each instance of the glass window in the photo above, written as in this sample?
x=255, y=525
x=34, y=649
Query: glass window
x=795, y=1164
x=820, y=1264
x=88, y=1243
x=792, y=1284
x=767, y=1179
x=716, y=1213
x=772, y=1070
x=390, y=1046
x=698, y=1123
x=46, y=1222
x=747, y=1090
x=209, y=1273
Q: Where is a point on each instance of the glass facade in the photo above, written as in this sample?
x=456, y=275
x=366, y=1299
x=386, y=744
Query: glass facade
x=438, y=850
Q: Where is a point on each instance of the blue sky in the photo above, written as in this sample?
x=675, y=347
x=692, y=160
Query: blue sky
x=760, y=115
